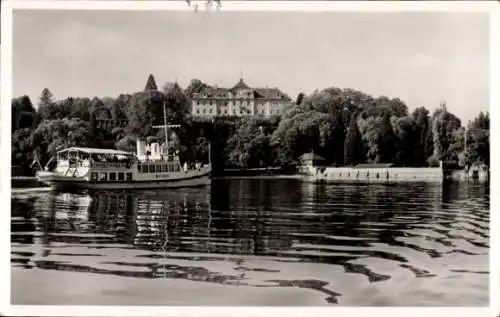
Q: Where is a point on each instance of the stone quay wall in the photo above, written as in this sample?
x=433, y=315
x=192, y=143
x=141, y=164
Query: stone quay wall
x=390, y=174
x=478, y=175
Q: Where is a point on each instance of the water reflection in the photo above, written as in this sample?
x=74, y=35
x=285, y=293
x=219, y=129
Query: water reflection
x=255, y=232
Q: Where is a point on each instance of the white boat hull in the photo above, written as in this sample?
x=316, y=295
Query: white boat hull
x=68, y=182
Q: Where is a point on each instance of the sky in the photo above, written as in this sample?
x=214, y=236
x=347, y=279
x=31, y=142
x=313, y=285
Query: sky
x=422, y=58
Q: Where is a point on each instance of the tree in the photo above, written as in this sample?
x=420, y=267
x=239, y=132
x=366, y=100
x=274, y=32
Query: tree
x=151, y=83
x=23, y=113
x=299, y=99
x=370, y=133
x=96, y=104
x=443, y=125
x=176, y=102
x=126, y=143
x=54, y=135
x=21, y=147
x=392, y=107
x=249, y=146
x=302, y=130
x=429, y=141
x=353, y=148
x=478, y=137
x=140, y=118
x=195, y=86
x=338, y=140
x=387, y=140
x=46, y=98
x=93, y=126
x=456, y=148
x=45, y=103
x=80, y=109
x=420, y=117
x=405, y=152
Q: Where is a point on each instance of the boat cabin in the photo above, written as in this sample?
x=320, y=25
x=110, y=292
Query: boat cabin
x=89, y=157
x=103, y=164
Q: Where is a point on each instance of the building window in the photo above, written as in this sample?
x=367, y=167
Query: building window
x=112, y=176
x=198, y=111
x=204, y=111
x=121, y=176
x=129, y=176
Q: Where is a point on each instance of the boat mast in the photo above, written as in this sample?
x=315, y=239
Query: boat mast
x=165, y=124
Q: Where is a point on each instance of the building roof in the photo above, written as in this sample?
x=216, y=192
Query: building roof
x=374, y=165
x=311, y=156
x=240, y=85
x=266, y=93
x=95, y=151
x=270, y=93
x=215, y=91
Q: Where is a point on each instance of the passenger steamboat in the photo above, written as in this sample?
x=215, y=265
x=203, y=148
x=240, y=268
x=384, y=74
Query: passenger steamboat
x=151, y=167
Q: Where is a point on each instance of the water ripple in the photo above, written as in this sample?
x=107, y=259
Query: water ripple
x=334, y=240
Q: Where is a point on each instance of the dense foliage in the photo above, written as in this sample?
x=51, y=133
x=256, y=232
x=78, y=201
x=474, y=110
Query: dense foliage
x=345, y=126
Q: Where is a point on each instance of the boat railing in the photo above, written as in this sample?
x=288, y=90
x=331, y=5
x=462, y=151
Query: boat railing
x=67, y=164
x=86, y=164
x=110, y=165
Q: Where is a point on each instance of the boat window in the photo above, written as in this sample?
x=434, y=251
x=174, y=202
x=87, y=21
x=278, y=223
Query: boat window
x=103, y=176
x=139, y=167
x=144, y=169
x=93, y=176
x=129, y=176
x=177, y=168
x=164, y=168
x=151, y=168
x=158, y=168
x=112, y=176
x=121, y=176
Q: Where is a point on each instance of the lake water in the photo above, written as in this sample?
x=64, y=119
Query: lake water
x=279, y=242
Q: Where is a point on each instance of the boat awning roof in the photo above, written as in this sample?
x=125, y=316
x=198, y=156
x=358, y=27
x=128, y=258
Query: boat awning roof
x=374, y=165
x=311, y=156
x=95, y=151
